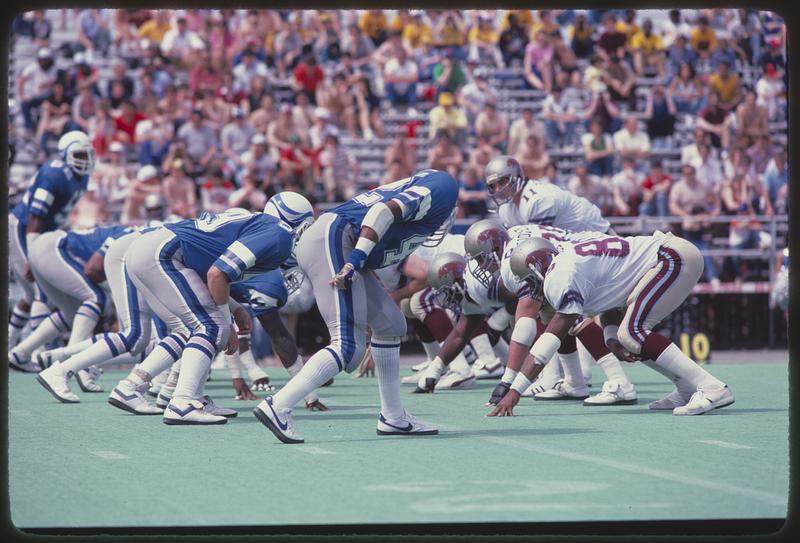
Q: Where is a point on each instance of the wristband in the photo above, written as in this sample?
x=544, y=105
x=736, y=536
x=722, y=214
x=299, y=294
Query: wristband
x=610, y=332
x=509, y=375
x=358, y=257
x=226, y=313
x=520, y=384
x=545, y=347
x=234, y=365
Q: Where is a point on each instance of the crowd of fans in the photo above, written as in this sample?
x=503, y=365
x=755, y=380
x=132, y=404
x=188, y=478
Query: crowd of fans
x=196, y=107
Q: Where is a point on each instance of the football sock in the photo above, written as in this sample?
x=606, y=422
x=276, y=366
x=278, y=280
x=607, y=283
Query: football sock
x=39, y=312
x=550, y=374
x=585, y=360
x=386, y=353
x=195, y=362
x=684, y=387
x=84, y=322
x=612, y=367
x=501, y=350
x=164, y=355
x=97, y=353
x=48, y=330
x=16, y=323
x=254, y=371
x=431, y=348
x=459, y=363
x=482, y=347
x=680, y=365
x=571, y=364
x=319, y=369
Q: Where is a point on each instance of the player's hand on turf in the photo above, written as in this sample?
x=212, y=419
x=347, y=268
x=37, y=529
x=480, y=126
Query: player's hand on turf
x=344, y=279
x=262, y=385
x=242, y=392
x=498, y=393
x=367, y=367
x=619, y=351
x=233, y=342
x=316, y=405
x=506, y=406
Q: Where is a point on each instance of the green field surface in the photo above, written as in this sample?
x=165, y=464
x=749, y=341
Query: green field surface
x=91, y=465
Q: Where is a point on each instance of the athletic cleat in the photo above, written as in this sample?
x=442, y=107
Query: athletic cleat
x=22, y=365
x=670, y=401
x=457, y=380
x=192, y=412
x=128, y=397
x=563, y=391
x=86, y=380
x=488, y=370
x=164, y=396
x=55, y=381
x=44, y=359
x=154, y=389
x=705, y=400
x=421, y=366
x=328, y=383
x=410, y=379
x=407, y=425
x=214, y=409
x=613, y=394
x=429, y=377
x=278, y=420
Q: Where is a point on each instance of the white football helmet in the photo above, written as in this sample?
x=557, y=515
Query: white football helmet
x=293, y=209
x=75, y=148
x=301, y=293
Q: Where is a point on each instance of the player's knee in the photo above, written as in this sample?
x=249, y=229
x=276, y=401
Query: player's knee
x=628, y=340
x=405, y=307
x=352, y=357
x=418, y=305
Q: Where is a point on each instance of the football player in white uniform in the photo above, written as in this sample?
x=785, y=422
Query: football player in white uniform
x=650, y=276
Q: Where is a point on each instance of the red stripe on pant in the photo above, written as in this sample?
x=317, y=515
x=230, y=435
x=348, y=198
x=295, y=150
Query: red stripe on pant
x=661, y=282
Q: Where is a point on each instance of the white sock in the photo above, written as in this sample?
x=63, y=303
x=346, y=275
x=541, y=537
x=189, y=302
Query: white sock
x=680, y=365
x=319, y=369
x=295, y=368
x=550, y=374
x=501, y=349
x=586, y=361
x=482, y=347
x=254, y=371
x=431, y=349
x=39, y=312
x=571, y=364
x=193, y=372
x=459, y=363
x=16, y=323
x=159, y=360
x=387, y=369
x=84, y=323
x=97, y=353
x=62, y=353
x=45, y=332
x=612, y=367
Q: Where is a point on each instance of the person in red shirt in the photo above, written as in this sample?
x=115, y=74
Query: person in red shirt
x=655, y=192
x=307, y=77
x=126, y=120
x=296, y=166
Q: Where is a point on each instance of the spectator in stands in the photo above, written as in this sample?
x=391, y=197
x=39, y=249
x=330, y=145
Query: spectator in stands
x=154, y=29
x=580, y=36
x=281, y=130
x=400, y=76
x=112, y=177
x=746, y=34
x=146, y=98
x=126, y=120
x=155, y=141
x=760, y=153
x=551, y=176
x=235, y=140
x=655, y=192
x=473, y=96
x=621, y=81
x=180, y=44
x=320, y=128
x=339, y=170
x=696, y=202
x=628, y=26
x=492, y=125
x=295, y=166
x=482, y=154
x=84, y=107
x=680, y=52
x=726, y=84
x=472, y=196
x=56, y=119
x=648, y=50
x=415, y=31
x=483, y=39
x=776, y=179
x=446, y=116
x=444, y=154
x=625, y=189
x=246, y=70
x=710, y=169
x=773, y=55
x=715, y=120
x=402, y=152
x=204, y=75
x=373, y=23
x=598, y=149
x=93, y=30
x=559, y=116
x=533, y=158
x=591, y=187
x=359, y=47
x=563, y=56
x=260, y=118
x=632, y=143
x=250, y=196
x=179, y=191
x=259, y=162
x=512, y=42
x=686, y=91
x=34, y=25
x=448, y=75
x=288, y=45
x=673, y=27
x=124, y=38
x=34, y=85
x=703, y=38
x=690, y=153
x=147, y=182
x=216, y=191
x=368, y=108
x=538, y=63
x=771, y=91
x=101, y=128
x=118, y=76
x=307, y=77
x=603, y=108
x=176, y=105
x=727, y=51
x=520, y=129
x=90, y=210
x=659, y=114
x=450, y=31
x=338, y=98
x=199, y=142
x=611, y=39
x=80, y=74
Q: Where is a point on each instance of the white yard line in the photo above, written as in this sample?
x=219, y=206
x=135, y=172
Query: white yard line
x=313, y=450
x=724, y=444
x=110, y=455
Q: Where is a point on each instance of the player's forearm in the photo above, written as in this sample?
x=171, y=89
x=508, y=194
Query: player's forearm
x=219, y=286
x=282, y=341
x=377, y=221
x=457, y=339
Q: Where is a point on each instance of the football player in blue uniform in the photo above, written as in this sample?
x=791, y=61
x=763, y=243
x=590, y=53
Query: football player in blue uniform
x=47, y=202
x=373, y=230
x=186, y=270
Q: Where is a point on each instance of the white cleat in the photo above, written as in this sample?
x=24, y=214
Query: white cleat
x=191, y=412
x=164, y=396
x=86, y=379
x=55, y=381
x=214, y=409
x=128, y=397
x=421, y=366
x=407, y=425
x=613, y=394
x=278, y=420
x=21, y=364
x=670, y=401
x=45, y=359
x=457, y=380
x=705, y=400
x=492, y=369
x=429, y=377
x=563, y=391
x=410, y=379
x=154, y=389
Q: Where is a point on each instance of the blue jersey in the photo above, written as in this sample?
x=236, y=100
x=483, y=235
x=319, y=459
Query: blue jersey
x=427, y=199
x=84, y=243
x=52, y=195
x=241, y=244
x=265, y=293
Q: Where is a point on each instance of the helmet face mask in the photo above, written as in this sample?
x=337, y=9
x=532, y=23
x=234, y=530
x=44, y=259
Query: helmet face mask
x=446, y=278
x=75, y=148
x=503, y=189
x=451, y=296
x=504, y=178
x=439, y=234
x=484, y=243
x=530, y=261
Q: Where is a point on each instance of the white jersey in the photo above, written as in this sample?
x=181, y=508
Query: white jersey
x=480, y=299
x=392, y=276
x=544, y=203
x=599, y=273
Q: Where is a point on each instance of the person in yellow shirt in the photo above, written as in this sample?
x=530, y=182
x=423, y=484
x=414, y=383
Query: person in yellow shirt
x=648, y=50
x=450, y=30
x=483, y=42
x=154, y=29
x=703, y=38
x=373, y=23
x=449, y=118
x=545, y=24
x=401, y=20
x=416, y=33
x=726, y=84
x=524, y=18
x=628, y=25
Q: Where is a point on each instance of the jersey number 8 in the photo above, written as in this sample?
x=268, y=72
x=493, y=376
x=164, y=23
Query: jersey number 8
x=611, y=246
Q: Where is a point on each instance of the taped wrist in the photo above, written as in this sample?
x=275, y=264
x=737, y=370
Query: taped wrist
x=234, y=365
x=226, y=313
x=610, y=332
x=524, y=331
x=545, y=347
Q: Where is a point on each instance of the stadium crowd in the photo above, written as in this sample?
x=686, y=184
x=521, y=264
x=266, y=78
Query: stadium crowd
x=223, y=108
